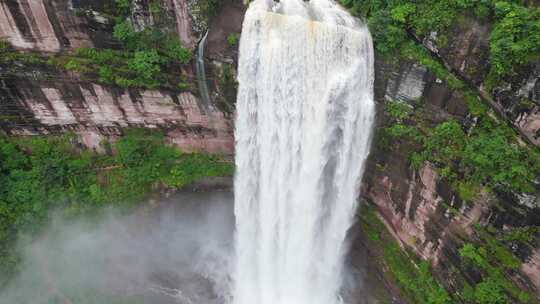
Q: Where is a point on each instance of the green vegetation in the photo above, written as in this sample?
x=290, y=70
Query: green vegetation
x=233, y=39
x=399, y=125
x=9, y=57
x=123, y=6
x=149, y=58
x=521, y=235
x=514, y=41
x=42, y=174
x=413, y=277
x=413, y=51
x=493, y=261
x=482, y=154
x=208, y=8
x=398, y=111
x=392, y=21
x=139, y=68
x=228, y=81
x=488, y=155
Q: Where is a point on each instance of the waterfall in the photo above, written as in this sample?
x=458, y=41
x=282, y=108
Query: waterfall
x=201, y=73
x=305, y=112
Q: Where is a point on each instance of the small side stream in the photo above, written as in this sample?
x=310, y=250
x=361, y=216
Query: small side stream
x=201, y=73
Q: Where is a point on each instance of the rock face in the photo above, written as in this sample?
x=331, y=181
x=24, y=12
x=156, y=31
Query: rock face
x=532, y=268
x=96, y=112
x=523, y=102
x=418, y=207
x=48, y=26
x=467, y=55
x=183, y=22
x=57, y=25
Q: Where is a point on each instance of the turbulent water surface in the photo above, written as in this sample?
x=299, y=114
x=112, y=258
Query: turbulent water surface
x=305, y=114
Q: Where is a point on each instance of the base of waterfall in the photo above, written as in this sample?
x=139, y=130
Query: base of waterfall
x=305, y=112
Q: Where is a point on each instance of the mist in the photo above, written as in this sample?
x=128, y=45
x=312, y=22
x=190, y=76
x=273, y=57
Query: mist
x=178, y=251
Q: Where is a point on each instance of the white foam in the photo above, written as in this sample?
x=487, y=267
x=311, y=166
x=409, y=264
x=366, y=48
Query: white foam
x=305, y=112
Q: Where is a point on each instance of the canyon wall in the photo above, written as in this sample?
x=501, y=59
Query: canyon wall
x=48, y=101
x=420, y=207
x=48, y=26
x=100, y=113
x=467, y=56
x=59, y=25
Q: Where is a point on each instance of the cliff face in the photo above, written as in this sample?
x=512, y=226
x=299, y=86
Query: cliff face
x=48, y=26
x=420, y=208
x=46, y=101
x=467, y=55
x=98, y=113
x=59, y=25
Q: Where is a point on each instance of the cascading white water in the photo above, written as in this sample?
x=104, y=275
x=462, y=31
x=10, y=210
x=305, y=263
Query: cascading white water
x=305, y=112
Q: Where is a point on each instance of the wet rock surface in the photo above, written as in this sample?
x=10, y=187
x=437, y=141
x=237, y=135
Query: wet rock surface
x=98, y=113
x=419, y=207
x=465, y=52
x=45, y=101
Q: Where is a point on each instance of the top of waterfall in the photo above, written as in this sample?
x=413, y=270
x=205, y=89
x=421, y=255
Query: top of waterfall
x=325, y=11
